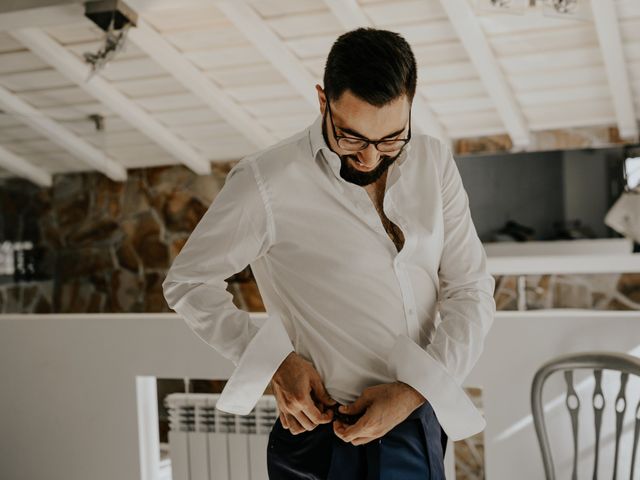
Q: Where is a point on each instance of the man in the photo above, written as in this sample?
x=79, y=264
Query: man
x=359, y=235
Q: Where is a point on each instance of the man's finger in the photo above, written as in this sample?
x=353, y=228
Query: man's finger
x=362, y=440
x=303, y=420
x=283, y=420
x=294, y=425
x=356, y=407
x=358, y=429
x=316, y=416
x=321, y=393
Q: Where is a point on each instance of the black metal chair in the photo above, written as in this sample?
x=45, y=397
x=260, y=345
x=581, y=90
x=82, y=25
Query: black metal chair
x=597, y=361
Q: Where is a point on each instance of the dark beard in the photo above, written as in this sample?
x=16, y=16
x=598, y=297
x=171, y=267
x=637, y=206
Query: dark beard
x=353, y=175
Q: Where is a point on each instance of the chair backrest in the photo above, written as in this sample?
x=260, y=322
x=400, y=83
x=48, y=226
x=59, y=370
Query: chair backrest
x=597, y=361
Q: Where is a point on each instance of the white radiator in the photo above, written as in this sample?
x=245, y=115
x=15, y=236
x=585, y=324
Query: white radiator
x=208, y=444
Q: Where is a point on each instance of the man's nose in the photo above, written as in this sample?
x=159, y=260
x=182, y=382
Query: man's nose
x=369, y=156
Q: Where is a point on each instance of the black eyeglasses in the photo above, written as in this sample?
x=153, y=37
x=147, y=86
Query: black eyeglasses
x=354, y=144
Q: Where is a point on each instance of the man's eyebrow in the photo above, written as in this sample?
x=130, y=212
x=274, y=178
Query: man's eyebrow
x=356, y=134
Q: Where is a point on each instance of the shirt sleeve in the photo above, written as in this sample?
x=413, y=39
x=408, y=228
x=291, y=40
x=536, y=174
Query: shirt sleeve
x=466, y=308
x=235, y=230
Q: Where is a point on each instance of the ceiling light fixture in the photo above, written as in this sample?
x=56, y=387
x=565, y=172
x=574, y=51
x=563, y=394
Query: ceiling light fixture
x=115, y=18
x=567, y=9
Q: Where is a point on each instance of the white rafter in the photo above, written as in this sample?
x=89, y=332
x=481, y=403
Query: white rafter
x=22, y=168
x=475, y=42
x=166, y=55
x=67, y=64
x=350, y=14
x=608, y=28
x=62, y=136
x=271, y=46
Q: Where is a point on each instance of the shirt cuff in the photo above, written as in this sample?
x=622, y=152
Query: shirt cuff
x=456, y=413
x=265, y=352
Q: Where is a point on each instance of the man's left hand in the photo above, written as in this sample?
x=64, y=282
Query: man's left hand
x=384, y=406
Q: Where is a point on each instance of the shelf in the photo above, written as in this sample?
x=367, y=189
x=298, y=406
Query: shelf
x=560, y=247
x=606, y=255
x=541, y=264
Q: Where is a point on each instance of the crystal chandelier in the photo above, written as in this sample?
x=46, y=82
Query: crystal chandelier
x=569, y=9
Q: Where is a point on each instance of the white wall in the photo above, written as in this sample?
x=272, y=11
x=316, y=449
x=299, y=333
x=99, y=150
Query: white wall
x=68, y=398
x=68, y=401
x=585, y=188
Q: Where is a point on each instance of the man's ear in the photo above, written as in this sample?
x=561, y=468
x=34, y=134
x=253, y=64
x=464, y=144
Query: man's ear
x=322, y=99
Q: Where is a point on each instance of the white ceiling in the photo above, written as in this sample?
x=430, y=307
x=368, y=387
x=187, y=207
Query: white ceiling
x=249, y=78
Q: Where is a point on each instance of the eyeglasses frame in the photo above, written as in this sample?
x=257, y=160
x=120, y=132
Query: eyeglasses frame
x=366, y=140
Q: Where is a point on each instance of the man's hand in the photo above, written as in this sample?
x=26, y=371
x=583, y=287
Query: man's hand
x=299, y=392
x=386, y=406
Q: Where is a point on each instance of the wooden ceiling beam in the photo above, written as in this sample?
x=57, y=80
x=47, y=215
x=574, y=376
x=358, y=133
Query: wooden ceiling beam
x=607, y=26
x=22, y=168
x=256, y=30
x=162, y=52
x=62, y=136
x=75, y=70
x=469, y=31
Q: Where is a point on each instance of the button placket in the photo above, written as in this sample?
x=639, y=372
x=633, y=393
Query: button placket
x=408, y=298
x=412, y=317
x=366, y=207
x=409, y=303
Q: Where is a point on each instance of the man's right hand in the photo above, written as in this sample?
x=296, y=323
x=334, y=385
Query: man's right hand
x=297, y=385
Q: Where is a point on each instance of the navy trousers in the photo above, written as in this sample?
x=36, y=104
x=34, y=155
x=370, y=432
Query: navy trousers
x=413, y=449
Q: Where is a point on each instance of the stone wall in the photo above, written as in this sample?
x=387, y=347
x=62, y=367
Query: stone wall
x=108, y=244
x=107, y=247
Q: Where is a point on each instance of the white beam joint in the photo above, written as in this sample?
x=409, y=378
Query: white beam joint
x=75, y=70
x=166, y=55
x=349, y=14
x=608, y=29
x=62, y=136
x=470, y=33
x=22, y=168
x=272, y=47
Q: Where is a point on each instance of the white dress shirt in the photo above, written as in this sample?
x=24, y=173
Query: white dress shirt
x=334, y=286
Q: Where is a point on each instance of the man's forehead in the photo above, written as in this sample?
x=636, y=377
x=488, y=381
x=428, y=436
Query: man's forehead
x=370, y=121
x=349, y=101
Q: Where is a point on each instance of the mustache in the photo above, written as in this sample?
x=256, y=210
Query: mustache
x=355, y=157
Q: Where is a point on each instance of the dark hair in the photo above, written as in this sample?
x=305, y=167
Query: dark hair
x=377, y=66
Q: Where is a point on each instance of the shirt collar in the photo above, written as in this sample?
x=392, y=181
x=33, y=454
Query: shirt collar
x=316, y=138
